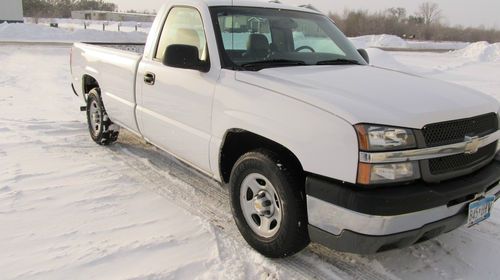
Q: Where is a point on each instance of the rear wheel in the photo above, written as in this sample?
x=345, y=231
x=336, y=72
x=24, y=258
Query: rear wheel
x=268, y=204
x=101, y=128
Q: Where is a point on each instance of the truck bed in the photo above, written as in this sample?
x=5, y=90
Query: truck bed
x=129, y=47
x=114, y=65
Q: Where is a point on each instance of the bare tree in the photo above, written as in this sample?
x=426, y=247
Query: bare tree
x=430, y=12
x=393, y=21
x=398, y=13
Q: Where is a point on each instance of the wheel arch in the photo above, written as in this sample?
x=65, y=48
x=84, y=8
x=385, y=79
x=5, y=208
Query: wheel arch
x=236, y=142
x=89, y=83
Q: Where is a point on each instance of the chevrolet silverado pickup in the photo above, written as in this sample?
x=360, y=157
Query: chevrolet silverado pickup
x=313, y=142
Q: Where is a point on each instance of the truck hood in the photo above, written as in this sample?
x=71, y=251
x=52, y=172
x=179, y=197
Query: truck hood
x=368, y=94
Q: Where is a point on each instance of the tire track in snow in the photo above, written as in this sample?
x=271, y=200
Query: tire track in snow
x=204, y=197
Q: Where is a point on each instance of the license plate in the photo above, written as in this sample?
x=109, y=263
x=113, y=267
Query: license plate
x=480, y=210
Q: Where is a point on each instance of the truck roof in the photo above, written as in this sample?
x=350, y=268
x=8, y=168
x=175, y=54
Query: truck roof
x=261, y=4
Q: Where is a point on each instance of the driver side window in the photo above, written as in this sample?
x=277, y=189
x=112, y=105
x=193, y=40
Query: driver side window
x=183, y=26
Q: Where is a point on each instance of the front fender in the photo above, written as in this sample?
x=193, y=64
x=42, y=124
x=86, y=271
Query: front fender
x=325, y=144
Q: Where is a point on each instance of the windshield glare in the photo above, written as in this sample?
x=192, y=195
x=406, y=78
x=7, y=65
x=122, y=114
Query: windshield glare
x=273, y=38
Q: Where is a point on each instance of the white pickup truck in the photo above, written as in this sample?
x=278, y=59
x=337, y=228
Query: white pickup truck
x=313, y=143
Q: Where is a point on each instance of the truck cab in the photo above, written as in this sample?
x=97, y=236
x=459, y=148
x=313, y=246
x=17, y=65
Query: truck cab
x=314, y=143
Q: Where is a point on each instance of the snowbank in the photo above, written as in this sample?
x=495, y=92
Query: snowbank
x=384, y=59
x=376, y=41
x=481, y=52
x=392, y=41
x=437, y=45
x=35, y=32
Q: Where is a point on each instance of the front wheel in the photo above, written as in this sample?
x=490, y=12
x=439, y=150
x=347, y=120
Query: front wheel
x=268, y=204
x=101, y=129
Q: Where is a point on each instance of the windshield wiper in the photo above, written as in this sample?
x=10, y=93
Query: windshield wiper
x=259, y=65
x=340, y=61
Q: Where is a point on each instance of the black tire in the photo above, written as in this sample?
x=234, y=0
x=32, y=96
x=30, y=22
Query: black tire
x=102, y=130
x=292, y=235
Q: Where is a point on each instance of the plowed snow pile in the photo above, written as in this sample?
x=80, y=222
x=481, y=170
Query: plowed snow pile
x=481, y=52
x=375, y=41
x=392, y=41
x=384, y=59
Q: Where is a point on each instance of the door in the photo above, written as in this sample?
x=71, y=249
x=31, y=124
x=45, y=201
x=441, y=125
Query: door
x=175, y=105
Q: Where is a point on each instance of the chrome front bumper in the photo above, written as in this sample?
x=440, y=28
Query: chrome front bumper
x=357, y=219
x=335, y=219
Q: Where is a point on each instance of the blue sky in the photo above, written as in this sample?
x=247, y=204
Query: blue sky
x=464, y=12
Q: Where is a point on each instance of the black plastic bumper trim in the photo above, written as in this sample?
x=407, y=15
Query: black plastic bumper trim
x=357, y=243
x=397, y=200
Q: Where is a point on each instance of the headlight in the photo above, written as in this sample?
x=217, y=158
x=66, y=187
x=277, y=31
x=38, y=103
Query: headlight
x=378, y=138
x=375, y=138
x=372, y=174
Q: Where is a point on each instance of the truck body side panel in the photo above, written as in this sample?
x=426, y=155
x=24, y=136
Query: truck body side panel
x=115, y=71
x=176, y=112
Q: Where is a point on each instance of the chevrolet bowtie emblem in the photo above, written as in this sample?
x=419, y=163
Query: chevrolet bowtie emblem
x=472, y=145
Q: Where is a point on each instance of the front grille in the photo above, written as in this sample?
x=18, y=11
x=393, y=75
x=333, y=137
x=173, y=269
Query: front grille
x=456, y=131
x=452, y=132
x=461, y=161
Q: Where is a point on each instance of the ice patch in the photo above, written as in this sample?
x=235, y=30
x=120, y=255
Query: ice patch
x=481, y=52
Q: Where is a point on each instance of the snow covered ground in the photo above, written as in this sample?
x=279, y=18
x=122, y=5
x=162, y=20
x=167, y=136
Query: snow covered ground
x=72, y=209
x=476, y=66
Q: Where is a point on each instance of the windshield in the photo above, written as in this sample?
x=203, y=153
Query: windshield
x=257, y=38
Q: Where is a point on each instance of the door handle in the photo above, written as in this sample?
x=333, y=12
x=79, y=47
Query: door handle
x=149, y=78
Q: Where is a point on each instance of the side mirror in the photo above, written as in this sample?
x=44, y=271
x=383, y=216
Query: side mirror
x=364, y=54
x=185, y=57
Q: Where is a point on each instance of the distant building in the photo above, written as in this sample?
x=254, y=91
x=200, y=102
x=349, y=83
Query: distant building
x=112, y=16
x=11, y=11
